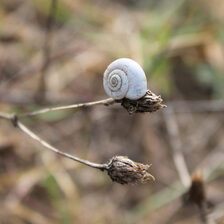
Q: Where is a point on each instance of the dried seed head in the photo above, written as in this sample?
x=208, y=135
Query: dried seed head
x=197, y=189
x=124, y=171
x=150, y=102
x=196, y=193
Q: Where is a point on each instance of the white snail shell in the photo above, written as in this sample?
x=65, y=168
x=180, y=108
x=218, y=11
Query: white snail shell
x=125, y=78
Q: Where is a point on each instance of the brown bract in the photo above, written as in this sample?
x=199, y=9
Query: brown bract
x=125, y=171
x=150, y=102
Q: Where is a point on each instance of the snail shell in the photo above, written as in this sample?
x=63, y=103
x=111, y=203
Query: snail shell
x=125, y=78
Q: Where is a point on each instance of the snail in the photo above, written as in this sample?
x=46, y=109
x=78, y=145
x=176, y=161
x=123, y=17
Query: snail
x=125, y=78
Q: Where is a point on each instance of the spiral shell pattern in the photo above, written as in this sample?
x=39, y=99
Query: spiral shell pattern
x=124, y=78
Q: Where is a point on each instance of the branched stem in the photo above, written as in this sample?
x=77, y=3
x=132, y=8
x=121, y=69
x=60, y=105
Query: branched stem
x=120, y=169
x=131, y=172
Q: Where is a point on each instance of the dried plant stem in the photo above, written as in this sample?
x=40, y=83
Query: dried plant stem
x=120, y=169
x=52, y=148
x=176, y=146
x=30, y=133
x=150, y=102
x=5, y=116
x=71, y=106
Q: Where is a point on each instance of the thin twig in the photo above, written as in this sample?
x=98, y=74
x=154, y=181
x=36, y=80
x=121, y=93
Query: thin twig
x=30, y=133
x=52, y=148
x=150, y=102
x=121, y=169
x=72, y=106
x=5, y=116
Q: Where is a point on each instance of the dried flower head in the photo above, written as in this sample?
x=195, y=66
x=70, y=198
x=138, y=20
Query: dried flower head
x=125, y=171
x=196, y=193
x=150, y=102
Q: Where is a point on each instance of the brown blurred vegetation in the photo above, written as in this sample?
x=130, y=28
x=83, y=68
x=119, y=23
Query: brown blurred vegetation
x=180, y=44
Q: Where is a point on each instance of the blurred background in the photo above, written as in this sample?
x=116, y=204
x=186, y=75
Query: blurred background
x=54, y=52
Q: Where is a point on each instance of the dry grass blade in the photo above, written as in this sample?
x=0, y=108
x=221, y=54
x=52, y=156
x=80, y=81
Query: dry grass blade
x=176, y=146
